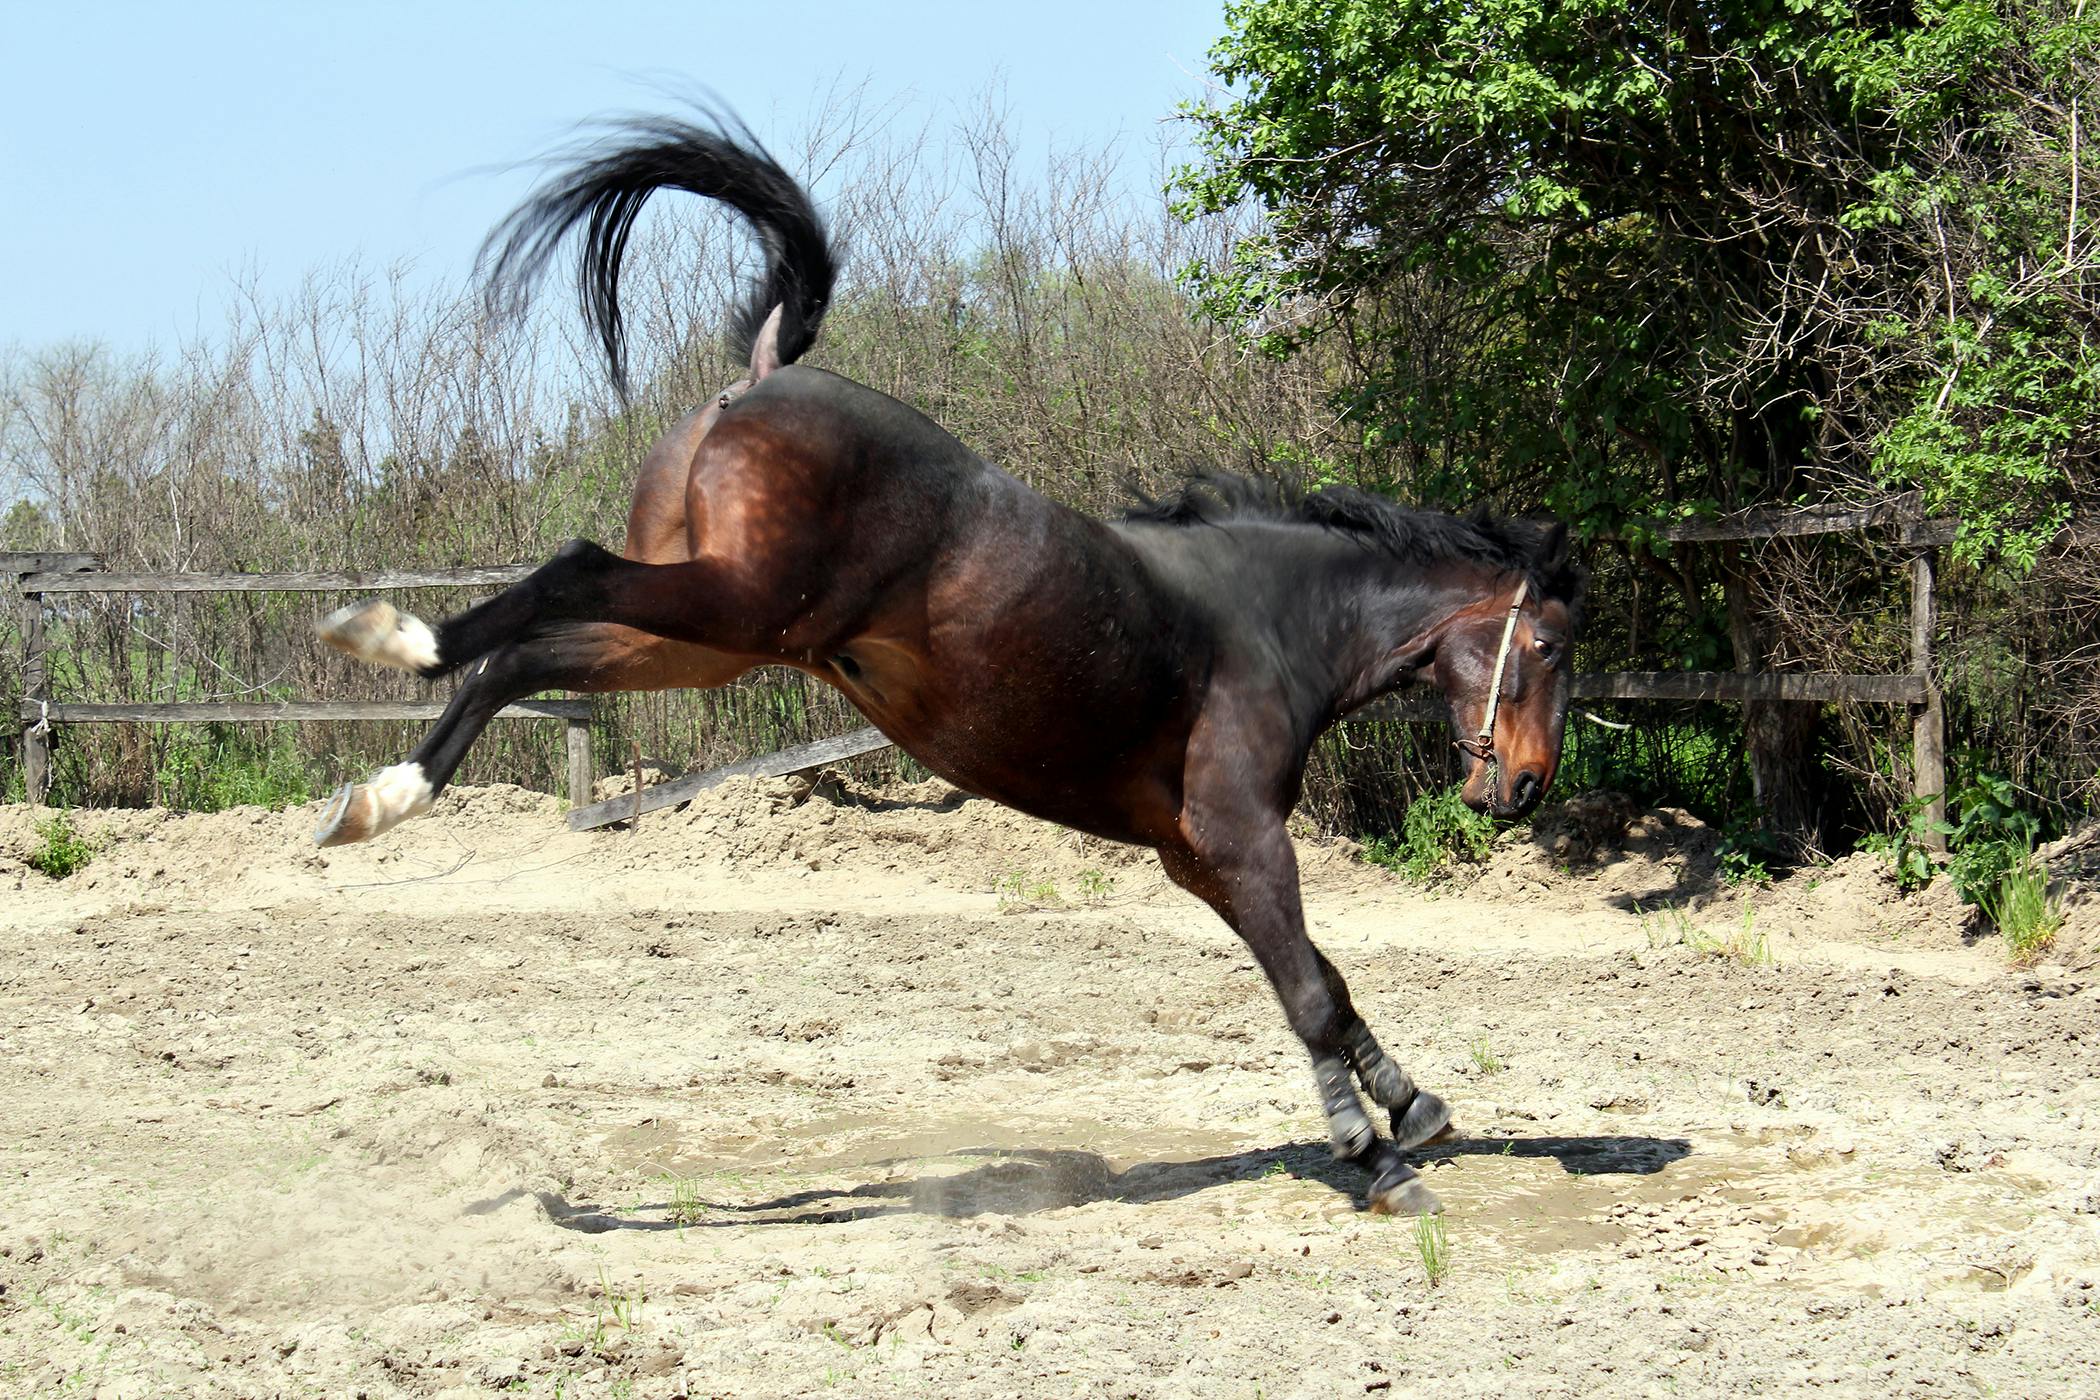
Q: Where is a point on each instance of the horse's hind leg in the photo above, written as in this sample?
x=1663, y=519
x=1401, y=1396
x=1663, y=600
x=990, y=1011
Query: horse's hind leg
x=1418, y=1116
x=707, y=602
x=580, y=657
x=1250, y=876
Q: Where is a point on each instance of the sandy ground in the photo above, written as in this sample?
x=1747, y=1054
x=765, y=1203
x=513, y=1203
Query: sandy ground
x=898, y=1094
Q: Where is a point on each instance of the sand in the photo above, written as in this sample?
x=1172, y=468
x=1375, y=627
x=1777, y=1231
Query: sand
x=851, y=1093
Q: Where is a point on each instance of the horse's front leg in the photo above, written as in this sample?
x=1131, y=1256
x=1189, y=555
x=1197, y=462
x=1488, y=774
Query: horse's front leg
x=1247, y=871
x=1418, y=1116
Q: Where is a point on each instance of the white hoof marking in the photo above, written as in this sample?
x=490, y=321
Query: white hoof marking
x=375, y=631
x=362, y=811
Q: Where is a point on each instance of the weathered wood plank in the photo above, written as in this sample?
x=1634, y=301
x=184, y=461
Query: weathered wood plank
x=491, y=576
x=1764, y=685
x=1904, y=514
x=213, y=711
x=18, y=562
x=1774, y=522
x=582, y=771
x=1928, y=724
x=36, y=693
x=1422, y=706
x=799, y=759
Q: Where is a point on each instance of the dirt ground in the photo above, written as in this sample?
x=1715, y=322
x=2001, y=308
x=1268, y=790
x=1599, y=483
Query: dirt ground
x=898, y=1094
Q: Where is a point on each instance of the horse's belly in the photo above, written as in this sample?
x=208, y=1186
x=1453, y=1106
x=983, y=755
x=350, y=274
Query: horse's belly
x=1105, y=764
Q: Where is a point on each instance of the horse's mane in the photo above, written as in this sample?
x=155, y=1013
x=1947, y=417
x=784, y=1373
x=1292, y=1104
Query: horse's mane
x=1414, y=536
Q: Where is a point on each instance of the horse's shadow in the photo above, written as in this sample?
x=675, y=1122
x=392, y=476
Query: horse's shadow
x=1021, y=1181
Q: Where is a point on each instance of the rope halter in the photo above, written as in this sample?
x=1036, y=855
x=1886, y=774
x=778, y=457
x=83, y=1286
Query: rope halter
x=1482, y=745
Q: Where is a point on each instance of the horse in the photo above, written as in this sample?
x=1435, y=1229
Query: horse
x=1157, y=680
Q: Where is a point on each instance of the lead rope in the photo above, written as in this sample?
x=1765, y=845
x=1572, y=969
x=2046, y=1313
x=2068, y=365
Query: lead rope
x=1482, y=745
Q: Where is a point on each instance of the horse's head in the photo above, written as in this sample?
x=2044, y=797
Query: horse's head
x=1512, y=744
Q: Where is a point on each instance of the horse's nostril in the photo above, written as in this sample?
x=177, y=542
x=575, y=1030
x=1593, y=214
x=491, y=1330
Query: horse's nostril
x=1525, y=789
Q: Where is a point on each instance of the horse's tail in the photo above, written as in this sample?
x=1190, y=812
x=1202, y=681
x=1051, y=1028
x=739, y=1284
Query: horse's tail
x=605, y=189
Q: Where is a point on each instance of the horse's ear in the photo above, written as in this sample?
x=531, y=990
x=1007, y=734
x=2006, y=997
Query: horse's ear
x=1553, y=549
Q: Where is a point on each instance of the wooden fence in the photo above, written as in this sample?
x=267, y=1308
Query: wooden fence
x=42, y=576
x=1915, y=689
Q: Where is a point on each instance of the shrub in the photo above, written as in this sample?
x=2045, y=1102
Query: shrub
x=1991, y=836
x=60, y=850
x=1909, y=857
x=1438, y=831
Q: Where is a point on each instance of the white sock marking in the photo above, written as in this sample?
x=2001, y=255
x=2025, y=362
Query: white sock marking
x=400, y=792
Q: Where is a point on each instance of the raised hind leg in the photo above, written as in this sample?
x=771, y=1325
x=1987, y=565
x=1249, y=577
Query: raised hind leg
x=725, y=607
x=1245, y=869
x=581, y=657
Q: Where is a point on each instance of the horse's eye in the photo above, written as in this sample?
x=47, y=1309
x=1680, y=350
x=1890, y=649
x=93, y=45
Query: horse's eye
x=1544, y=648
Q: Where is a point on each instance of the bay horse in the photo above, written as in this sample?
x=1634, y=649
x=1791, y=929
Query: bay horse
x=1158, y=679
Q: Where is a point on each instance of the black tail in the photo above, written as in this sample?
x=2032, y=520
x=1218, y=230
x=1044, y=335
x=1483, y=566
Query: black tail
x=608, y=186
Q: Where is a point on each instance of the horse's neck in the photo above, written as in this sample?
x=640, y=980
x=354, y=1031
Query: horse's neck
x=1401, y=614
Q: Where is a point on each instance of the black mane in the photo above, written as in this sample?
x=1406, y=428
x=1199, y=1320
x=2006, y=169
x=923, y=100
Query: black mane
x=1414, y=536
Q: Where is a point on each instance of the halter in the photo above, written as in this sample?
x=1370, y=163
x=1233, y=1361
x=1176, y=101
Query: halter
x=1482, y=745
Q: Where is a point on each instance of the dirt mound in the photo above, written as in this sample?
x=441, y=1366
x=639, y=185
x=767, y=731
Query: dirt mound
x=1600, y=845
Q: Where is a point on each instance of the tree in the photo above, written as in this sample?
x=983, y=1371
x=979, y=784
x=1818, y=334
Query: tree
x=1716, y=253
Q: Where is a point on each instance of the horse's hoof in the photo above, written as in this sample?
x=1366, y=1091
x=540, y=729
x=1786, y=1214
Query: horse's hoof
x=348, y=818
x=377, y=632
x=1406, y=1195
x=1426, y=1119
x=362, y=811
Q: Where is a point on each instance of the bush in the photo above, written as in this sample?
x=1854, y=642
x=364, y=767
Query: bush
x=1438, y=831
x=1905, y=849
x=60, y=850
x=1991, y=838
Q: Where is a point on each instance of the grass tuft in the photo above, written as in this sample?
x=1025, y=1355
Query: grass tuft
x=2027, y=915
x=1745, y=946
x=1433, y=1244
x=1484, y=1057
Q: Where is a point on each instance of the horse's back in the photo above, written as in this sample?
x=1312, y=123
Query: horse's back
x=1012, y=644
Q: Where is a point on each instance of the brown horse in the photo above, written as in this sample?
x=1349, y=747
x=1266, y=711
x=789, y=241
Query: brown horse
x=1158, y=680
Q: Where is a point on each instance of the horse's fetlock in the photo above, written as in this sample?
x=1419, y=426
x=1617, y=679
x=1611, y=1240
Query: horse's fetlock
x=1387, y=1083
x=1351, y=1133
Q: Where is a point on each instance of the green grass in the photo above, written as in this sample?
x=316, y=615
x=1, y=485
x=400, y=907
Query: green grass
x=1433, y=1246
x=1744, y=945
x=2027, y=917
x=1020, y=891
x=210, y=772
x=1484, y=1057
x=1095, y=886
x=686, y=1207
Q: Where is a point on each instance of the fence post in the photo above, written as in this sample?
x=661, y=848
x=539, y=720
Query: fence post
x=1928, y=732
x=36, y=691
x=582, y=773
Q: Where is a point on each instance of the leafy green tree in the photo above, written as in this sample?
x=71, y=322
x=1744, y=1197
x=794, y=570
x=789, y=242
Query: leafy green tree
x=1707, y=255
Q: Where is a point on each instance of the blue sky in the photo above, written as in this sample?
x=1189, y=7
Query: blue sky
x=150, y=153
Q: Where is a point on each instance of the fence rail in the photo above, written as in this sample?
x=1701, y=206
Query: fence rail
x=39, y=575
